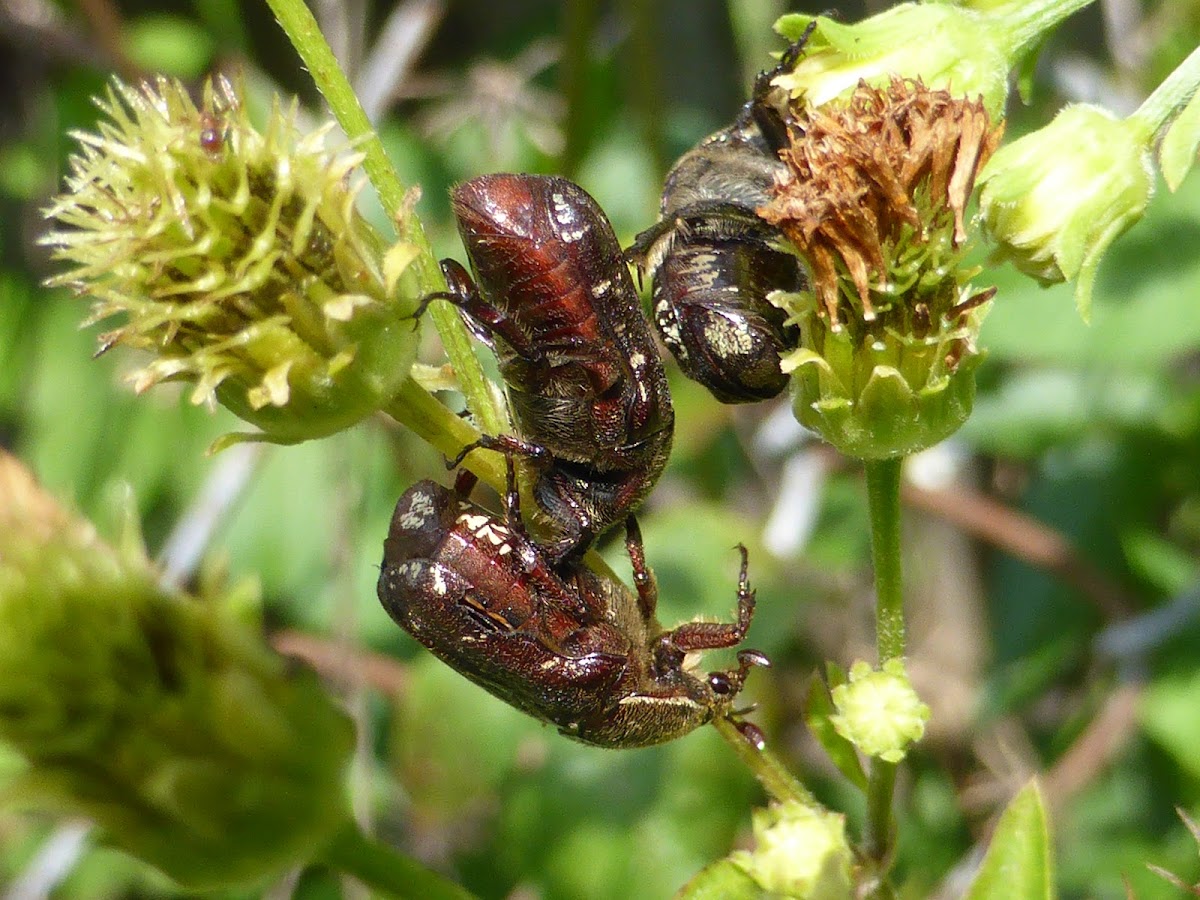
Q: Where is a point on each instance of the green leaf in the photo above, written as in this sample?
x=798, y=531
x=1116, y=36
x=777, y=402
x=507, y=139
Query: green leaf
x=1018, y=861
x=1177, y=152
x=720, y=881
x=817, y=711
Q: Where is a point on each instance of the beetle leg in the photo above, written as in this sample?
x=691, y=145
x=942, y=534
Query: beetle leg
x=508, y=444
x=463, y=293
x=711, y=635
x=643, y=578
x=770, y=121
x=465, y=482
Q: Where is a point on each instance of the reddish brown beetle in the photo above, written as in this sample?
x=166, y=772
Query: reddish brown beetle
x=568, y=647
x=585, y=382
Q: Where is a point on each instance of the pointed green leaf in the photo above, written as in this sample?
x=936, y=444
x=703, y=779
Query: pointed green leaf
x=817, y=711
x=1018, y=861
x=720, y=881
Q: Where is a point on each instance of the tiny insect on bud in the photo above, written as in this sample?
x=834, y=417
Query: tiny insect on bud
x=944, y=45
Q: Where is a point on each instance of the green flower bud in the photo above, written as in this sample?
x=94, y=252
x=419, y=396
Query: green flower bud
x=1056, y=198
x=878, y=711
x=875, y=205
x=158, y=716
x=946, y=46
x=236, y=257
x=799, y=852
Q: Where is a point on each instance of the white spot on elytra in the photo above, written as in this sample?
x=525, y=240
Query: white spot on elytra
x=473, y=522
x=564, y=215
x=486, y=528
x=727, y=338
x=601, y=288
x=420, y=509
x=439, y=582
x=408, y=569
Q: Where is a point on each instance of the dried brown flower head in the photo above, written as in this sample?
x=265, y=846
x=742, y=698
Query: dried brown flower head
x=860, y=173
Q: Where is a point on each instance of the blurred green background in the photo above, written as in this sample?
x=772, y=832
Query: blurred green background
x=1053, y=551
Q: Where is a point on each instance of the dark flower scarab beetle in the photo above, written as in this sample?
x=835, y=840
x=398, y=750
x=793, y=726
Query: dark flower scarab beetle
x=586, y=386
x=574, y=649
x=713, y=261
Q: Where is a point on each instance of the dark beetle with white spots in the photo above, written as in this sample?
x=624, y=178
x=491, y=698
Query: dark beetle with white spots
x=714, y=261
x=571, y=648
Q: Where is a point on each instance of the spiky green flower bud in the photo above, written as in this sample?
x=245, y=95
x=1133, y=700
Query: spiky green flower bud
x=799, y=852
x=1055, y=199
x=946, y=46
x=878, y=711
x=158, y=716
x=875, y=206
x=237, y=258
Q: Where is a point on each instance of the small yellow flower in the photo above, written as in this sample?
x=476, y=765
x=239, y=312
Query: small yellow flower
x=1055, y=199
x=236, y=257
x=878, y=711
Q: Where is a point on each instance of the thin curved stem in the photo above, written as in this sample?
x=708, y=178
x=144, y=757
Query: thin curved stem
x=780, y=784
x=304, y=33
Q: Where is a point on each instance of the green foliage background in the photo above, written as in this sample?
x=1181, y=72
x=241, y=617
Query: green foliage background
x=1091, y=430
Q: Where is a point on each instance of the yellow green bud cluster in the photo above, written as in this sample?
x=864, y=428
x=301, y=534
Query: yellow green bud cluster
x=875, y=203
x=878, y=711
x=156, y=715
x=799, y=852
x=236, y=257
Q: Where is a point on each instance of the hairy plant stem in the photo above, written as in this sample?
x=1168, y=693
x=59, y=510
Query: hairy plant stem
x=883, y=498
x=383, y=869
x=304, y=33
x=1169, y=97
x=780, y=784
x=880, y=787
x=419, y=411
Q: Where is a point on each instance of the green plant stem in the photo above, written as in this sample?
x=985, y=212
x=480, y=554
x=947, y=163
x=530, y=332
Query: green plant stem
x=881, y=785
x=780, y=784
x=419, y=411
x=1025, y=24
x=383, y=869
x=1169, y=97
x=883, y=498
x=578, y=25
x=304, y=33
